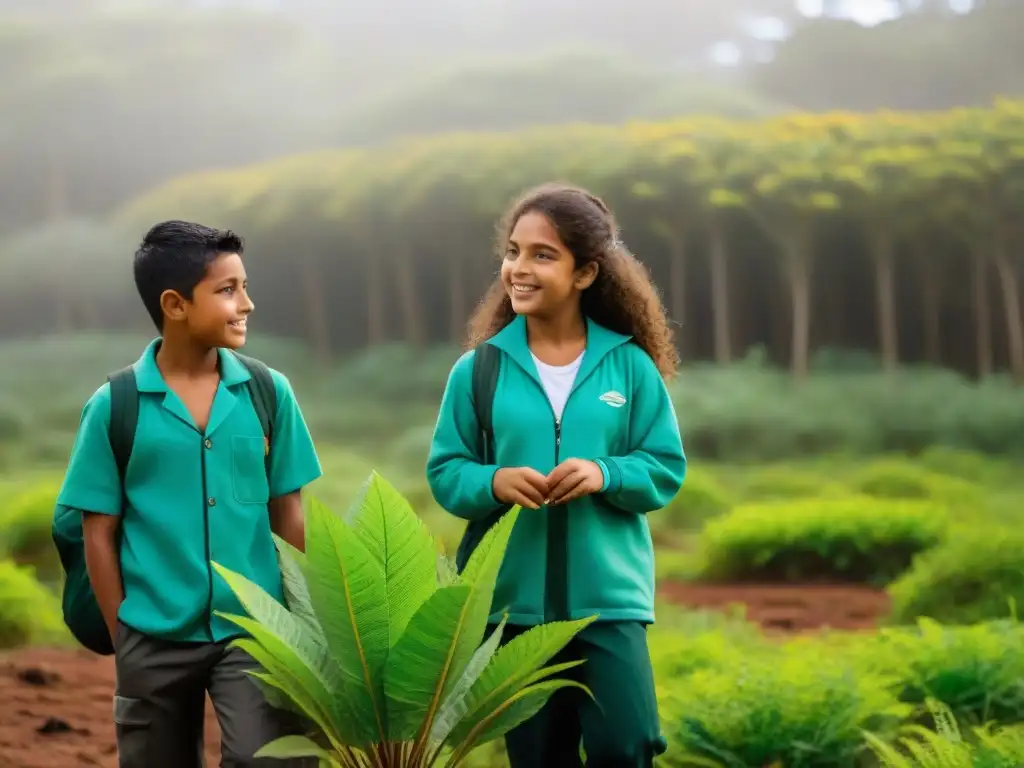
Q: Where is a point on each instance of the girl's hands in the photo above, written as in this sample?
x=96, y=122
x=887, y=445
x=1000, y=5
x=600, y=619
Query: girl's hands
x=528, y=488
x=573, y=478
x=521, y=485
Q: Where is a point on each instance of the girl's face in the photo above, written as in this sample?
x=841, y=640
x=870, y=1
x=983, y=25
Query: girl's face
x=538, y=272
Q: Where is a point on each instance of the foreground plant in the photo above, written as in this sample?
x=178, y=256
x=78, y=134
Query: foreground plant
x=382, y=647
x=945, y=747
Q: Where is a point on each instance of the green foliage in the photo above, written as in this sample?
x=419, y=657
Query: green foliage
x=737, y=413
x=25, y=528
x=977, y=575
x=382, y=646
x=900, y=479
x=701, y=497
x=977, y=671
x=751, y=413
x=29, y=613
x=965, y=465
x=854, y=539
x=780, y=707
x=945, y=747
x=783, y=483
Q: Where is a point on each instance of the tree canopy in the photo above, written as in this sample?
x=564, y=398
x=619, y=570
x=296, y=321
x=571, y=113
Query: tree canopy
x=894, y=232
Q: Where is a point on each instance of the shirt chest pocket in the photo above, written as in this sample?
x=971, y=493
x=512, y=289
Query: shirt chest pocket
x=248, y=470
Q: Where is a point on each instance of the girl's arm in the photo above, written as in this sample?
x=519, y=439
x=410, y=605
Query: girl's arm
x=459, y=482
x=649, y=476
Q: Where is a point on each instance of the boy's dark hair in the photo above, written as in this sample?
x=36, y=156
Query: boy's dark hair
x=622, y=297
x=174, y=256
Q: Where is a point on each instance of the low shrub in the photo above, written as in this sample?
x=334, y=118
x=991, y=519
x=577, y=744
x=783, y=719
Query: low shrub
x=855, y=539
x=974, y=576
x=946, y=747
x=25, y=529
x=975, y=671
x=965, y=465
x=901, y=479
x=702, y=496
x=782, y=483
x=779, y=708
x=29, y=613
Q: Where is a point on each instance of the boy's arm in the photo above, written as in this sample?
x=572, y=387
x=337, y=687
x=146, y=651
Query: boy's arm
x=287, y=519
x=293, y=465
x=650, y=475
x=459, y=482
x=103, y=564
x=92, y=484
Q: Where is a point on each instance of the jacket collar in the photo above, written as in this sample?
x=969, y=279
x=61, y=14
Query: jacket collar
x=600, y=341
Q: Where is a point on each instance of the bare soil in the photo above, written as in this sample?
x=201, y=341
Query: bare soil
x=56, y=707
x=55, y=704
x=787, y=608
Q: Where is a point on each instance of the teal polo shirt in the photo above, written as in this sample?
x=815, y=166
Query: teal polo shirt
x=191, y=497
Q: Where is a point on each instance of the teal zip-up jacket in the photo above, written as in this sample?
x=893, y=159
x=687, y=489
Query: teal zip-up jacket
x=594, y=555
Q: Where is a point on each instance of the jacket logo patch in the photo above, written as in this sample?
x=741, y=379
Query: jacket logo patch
x=613, y=398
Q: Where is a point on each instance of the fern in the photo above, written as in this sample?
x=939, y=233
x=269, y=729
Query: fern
x=945, y=747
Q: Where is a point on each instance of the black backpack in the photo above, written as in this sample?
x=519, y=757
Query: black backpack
x=81, y=611
x=486, y=367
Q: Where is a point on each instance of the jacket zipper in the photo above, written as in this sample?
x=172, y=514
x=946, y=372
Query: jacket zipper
x=557, y=586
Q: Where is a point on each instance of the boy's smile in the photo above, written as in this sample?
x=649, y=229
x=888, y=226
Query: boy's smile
x=220, y=306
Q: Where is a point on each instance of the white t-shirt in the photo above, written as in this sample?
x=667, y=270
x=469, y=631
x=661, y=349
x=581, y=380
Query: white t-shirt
x=557, y=381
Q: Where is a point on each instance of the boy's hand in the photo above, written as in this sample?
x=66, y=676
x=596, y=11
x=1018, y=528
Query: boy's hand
x=574, y=478
x=102, y=563
x=520, y=485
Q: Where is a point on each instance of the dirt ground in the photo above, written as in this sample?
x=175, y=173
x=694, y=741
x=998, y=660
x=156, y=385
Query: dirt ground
x=55, y=705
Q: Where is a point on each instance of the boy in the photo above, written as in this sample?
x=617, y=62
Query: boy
x=198, y=487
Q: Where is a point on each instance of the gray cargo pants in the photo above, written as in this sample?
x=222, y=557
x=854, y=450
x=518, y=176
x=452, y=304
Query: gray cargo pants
x=160, y=701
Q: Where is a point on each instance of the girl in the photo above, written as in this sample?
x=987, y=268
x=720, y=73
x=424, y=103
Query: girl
x=585, y=439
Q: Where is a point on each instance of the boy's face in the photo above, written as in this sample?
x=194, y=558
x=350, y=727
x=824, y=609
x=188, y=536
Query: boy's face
x=216, y=315
x=539, y=272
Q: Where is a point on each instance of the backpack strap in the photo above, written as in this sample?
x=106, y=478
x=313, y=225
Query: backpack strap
x=264, y=396
x=486, y=366
x=124, y=416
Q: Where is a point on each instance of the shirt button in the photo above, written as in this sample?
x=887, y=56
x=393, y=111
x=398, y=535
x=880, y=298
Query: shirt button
x=211, y=502
x=208, y=443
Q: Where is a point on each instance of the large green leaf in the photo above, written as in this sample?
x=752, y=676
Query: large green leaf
x=512, y=667
x=512, y=712
x=456, y=705
x=402, y=546
x=420, y=663
x=285, y=672
x=293, y=746
x=349, y=596
x=480, y=575
x=296, y=591
x=285, y=636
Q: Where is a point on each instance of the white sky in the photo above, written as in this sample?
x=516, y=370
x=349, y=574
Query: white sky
x=866, y=12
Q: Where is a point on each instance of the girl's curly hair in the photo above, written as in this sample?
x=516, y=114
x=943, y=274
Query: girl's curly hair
x=622, y=297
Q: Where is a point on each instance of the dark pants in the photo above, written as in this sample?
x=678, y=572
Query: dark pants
x=619, y=727
x=161, y=698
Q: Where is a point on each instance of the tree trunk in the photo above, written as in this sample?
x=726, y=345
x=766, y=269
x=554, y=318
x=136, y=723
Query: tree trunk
x=883, y=250
x=677, y=289
x=720, y=294
x=1011, y=309
x=931, y=298
x=798, y=263
x=405, y=274
x=982, y=320
x=374, y=301
x=316, y=309
x=456, y=297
